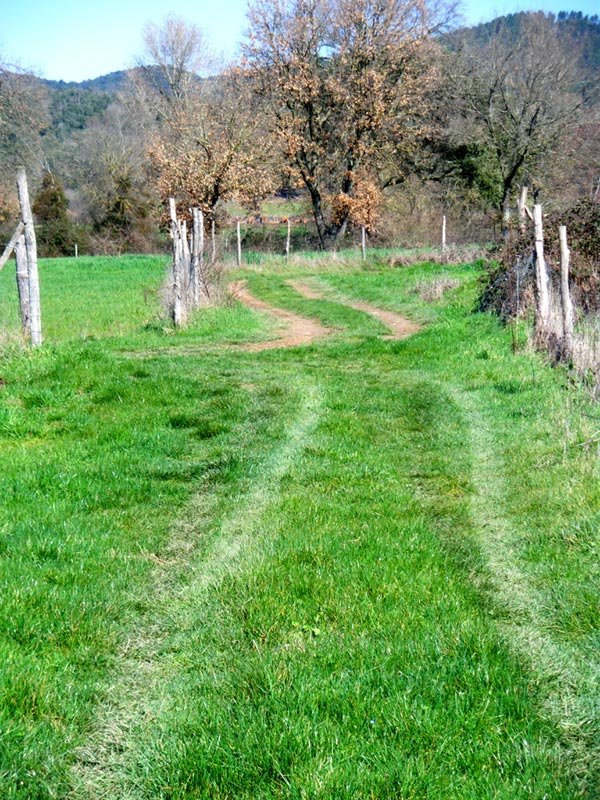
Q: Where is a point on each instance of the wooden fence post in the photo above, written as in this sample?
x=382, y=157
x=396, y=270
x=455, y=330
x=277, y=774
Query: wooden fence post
x=288, y=240
x=22, y=276
x=195, y=260
x=239, y=245
x=522, y=208
x=565, y=295
x=12, y=244
x=541, y=273
x=187, y=262
x=444, y=234
x=201, y=263
x=213, y=242
x=363, y=242
x=35, y=314
x=178, y=304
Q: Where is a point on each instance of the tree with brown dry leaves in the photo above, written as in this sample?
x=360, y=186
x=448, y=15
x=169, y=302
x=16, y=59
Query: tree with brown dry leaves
x=209, y=144
x=347, y=85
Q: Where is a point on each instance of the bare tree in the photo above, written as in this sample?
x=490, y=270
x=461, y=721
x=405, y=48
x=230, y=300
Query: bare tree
x=176, y=53
x=23, y=117
x=210, y=144
x=346, y=82
x=109, y=167
x=516, y=93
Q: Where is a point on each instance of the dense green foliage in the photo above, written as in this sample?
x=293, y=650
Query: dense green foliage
x=73, y=109
x=362, y=568
x=56, y=234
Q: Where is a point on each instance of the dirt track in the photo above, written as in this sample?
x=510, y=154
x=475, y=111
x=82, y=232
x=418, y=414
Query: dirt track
x=296, y=330
x=400, y=327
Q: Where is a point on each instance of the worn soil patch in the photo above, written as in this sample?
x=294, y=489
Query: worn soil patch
x=400, y=327
x=296, y=330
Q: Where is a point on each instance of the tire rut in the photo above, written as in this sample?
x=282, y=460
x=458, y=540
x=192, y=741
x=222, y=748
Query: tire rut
x=399, y=326
x=297, y=330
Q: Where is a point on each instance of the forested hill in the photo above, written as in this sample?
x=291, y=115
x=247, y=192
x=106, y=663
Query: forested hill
x=108, y=84
x=582, y=31
x=74, y=104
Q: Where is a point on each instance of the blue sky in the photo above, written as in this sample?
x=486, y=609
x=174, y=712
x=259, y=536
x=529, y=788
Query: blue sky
x=79, y=39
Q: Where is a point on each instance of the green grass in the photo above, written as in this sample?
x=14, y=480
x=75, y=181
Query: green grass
x=360, y=568
x=89, y=296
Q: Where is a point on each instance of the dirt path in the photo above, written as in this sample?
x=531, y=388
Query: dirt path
x=399, y=326
x=296, y=331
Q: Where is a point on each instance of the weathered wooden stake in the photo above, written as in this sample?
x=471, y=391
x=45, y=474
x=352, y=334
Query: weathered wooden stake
x=22, y=275
x=522, y=208
x=35, y=313
x=201, y=261
x=565, y=294
x=444, y=234
x=178, y=304
x=541, y=272
x=195, y=260
x=239, y=245
x=76, y=252
x=363, y=242
x=288, y=239
x=213, y=242
x=11, y=245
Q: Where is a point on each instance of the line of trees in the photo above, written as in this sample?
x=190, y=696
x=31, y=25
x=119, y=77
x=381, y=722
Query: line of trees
x=355, y=103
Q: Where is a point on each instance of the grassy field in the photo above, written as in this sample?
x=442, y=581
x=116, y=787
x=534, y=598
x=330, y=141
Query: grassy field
x=357, y=569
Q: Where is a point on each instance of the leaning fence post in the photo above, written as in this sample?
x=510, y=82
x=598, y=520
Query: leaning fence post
x=35, y=314
x=541, y=273
x=12, y=244
x=565, y=295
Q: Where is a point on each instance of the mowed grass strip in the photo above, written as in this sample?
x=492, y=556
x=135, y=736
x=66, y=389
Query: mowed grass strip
x=356, y=659
x=367, y=652
x=98, y=456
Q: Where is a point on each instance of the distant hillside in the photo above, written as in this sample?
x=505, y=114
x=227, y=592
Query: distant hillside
x=582, y=31
x=107, y=84
x=74, y=104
